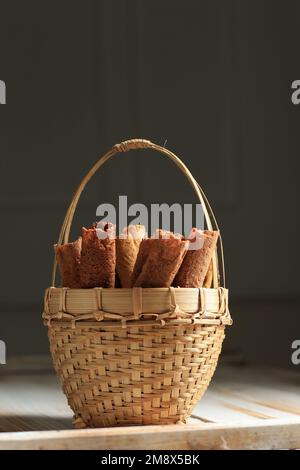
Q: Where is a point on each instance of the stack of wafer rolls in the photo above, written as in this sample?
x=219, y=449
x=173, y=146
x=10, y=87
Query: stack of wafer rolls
x=68, y=260
x=99, y=259
x=127, y=248
x=98, y=256
x=196, y=264
x=159, y=259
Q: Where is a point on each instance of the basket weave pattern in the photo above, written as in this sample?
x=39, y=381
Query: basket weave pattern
x=150, y=368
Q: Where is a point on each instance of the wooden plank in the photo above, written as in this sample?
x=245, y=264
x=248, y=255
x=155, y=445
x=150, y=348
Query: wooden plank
x=223, y=406
x=215, y=410
x=187, y=437
x=246, y=411
x=272, y=392
x=281, y=402
x=32, y=402
x=243, y=408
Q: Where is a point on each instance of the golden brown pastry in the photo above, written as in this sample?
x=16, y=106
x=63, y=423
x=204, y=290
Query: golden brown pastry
x=68, y=260
x=196, y=262
x=98, y=256
x=127, y=248
x=159, y=260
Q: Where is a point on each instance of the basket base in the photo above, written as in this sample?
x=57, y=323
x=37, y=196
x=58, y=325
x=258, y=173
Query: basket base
x=144, y=374
x=120, y=419
x=79, y=423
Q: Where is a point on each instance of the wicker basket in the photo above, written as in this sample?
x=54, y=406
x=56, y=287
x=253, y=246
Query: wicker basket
x=135, y=356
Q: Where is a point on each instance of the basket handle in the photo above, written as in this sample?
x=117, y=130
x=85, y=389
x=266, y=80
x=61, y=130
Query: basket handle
x=143, y=144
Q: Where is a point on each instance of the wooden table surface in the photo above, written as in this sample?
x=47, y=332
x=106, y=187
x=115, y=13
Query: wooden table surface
x=244, y=408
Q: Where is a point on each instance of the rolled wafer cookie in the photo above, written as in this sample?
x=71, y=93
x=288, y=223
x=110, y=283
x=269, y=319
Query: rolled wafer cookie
x=98, y=256
x=196, y=263
x=159, y=260
x=127, y=248
x=68, y=260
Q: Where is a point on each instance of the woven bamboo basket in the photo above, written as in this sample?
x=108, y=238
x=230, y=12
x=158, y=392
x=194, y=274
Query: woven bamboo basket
x=136, y=356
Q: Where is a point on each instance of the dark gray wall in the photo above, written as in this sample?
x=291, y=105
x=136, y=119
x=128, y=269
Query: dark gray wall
x=214, y=80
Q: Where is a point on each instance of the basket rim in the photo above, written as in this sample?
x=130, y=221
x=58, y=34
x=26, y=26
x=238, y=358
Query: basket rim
x=172, y=312
x=124, y=289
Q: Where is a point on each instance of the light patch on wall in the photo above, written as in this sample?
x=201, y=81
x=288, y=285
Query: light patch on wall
x=2, y=92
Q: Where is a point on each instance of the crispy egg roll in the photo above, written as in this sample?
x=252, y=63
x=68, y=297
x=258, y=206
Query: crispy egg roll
x=98, y=256
x=127, y=248
x=196, y=263
x=158, y=260
x=68, y=260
